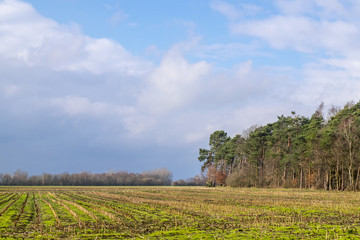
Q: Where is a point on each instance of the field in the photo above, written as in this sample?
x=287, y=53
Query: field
x=176, y=213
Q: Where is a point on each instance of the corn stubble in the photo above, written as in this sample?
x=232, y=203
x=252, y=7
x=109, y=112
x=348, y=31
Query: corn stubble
x=176, y=212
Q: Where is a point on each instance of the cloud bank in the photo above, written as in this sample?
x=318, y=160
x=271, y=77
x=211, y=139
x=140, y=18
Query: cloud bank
x=71, y=102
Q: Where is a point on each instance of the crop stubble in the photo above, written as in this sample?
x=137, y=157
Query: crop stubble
x=176, y=212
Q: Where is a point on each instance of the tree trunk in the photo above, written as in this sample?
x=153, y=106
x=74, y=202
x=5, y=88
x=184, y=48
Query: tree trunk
x=326, y=182
x=342, y=176
x=337, y=174
x=357, y=179
x=301, y=173
x=309, y=175
x=350, y=178
x=351, y=174
x=284, y=176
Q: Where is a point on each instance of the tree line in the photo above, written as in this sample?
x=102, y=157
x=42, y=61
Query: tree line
x=295, y=151
x=157, y=177
x=198, y=180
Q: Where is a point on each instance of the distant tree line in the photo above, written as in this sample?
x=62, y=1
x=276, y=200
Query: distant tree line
x=295, y=151
x=157, y=177
x=198, y=180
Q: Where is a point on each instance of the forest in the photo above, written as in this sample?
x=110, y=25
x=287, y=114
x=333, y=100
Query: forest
x=321, y=152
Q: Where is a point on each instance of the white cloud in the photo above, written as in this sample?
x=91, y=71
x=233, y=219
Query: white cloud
x=334, y=82
x=295, y=7
x=105, y=55
x=349, y=65
x=196, y=136
x=243, y=69
x=327, y=32
x=321, y=8
x=227, y=9
x=76, y=105
x=173, y=84
x=153, y=50
x=301, y=33
x=21, y=27
x=138, y=126
x=222, y=52
x=42, y=42
x=118, y=16
x=60, y=76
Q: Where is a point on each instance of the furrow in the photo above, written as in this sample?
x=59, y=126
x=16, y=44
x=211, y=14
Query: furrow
x=7, y=199
x=81, y=208
x=22, y=210
x=56, y=200
x=53, y=211
x=38, y=213
x=95, y=205
x=9, y=205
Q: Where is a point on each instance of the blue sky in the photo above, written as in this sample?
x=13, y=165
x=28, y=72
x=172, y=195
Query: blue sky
x=137, y=85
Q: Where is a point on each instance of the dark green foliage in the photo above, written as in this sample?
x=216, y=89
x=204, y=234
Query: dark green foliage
x=294, y=151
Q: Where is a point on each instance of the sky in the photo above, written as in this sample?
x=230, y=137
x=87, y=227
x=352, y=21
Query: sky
x=137, y=85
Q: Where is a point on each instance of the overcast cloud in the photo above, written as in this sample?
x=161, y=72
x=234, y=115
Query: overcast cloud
x=74, y=102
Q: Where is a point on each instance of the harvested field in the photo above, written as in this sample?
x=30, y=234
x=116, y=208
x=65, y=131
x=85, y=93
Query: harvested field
x=176, y=212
